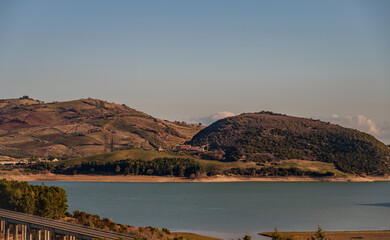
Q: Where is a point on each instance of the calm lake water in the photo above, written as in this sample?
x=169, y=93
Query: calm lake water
x=230, y=210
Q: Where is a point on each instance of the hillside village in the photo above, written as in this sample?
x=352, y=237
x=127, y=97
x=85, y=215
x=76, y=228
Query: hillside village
x=190, y=148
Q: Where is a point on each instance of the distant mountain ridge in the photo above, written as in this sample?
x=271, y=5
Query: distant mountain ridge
x=266, y=137
x=82, y=127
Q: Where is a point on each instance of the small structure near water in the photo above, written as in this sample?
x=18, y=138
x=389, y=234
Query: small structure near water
x=190, y=148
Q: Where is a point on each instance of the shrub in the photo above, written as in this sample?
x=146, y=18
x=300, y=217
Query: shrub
x=50, y=202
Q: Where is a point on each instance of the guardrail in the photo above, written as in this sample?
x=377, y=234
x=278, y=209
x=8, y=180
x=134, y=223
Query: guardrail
x=35, y=227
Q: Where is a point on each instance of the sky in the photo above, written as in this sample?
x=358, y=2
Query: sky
x=201, y=60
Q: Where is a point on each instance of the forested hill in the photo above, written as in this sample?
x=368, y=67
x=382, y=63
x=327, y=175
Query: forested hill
x=266, y=137
x=81, y=127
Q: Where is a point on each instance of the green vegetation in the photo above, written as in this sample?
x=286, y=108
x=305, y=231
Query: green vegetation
x=79, y=128
x=284, y=168
x=273, y=171
x=43, y=201
x=15, y=153
x=267, y=137
x=160, y=166
x=50, y=202
x=141, y=233
x=135, y=163
x=315, y=166
x=146, y=155
x=94, y=221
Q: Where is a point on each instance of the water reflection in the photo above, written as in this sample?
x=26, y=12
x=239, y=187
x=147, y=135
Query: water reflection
x=376, y=204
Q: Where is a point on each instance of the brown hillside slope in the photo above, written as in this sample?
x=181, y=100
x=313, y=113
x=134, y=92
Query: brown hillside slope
x=82, y=127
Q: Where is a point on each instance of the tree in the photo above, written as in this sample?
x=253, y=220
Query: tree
x=117, y=169
x=319, y=235
x=247, y=237
x=33, y=199
x=276, y=235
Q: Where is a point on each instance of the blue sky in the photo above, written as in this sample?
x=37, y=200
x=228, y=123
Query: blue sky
x=187, y=60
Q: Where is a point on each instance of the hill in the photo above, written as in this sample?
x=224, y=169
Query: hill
x=150, y=155
x=30, y=128
x=267, y=137
x=152, y=162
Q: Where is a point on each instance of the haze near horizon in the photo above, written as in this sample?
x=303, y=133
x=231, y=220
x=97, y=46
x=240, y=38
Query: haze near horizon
x=201, y=60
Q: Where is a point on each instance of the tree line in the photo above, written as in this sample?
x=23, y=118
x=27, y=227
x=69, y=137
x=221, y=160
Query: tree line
x=274, y=171
x=160, y=166
x=169, y=167
x=51, y=202
x=44, y=201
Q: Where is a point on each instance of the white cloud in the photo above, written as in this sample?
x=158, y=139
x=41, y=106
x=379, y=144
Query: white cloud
x=219, y=115
x=364, y=124
x=359, y=122
x=207, y=120
x=385, y=130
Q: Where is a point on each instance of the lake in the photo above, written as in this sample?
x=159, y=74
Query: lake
x=230, y=210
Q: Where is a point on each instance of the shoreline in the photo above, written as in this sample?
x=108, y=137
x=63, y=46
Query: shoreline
x=146, y=178
x=338, y=235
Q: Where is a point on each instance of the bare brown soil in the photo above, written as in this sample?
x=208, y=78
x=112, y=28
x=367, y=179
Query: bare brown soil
x=82, y=127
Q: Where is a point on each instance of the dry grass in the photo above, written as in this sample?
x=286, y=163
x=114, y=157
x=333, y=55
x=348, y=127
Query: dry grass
x=148, y=155
x=213, y=164
x=340, y=235
x=315, y=166
x=29, y=125
x=193, y=236
x=208, y=165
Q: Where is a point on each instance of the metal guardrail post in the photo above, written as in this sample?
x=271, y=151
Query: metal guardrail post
x=22, y=232
x=6, y=235
x=28, y=232
x=31, y=228
x=16, y=231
